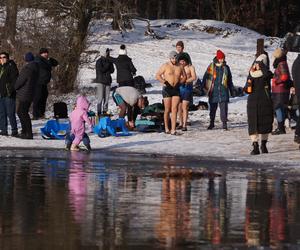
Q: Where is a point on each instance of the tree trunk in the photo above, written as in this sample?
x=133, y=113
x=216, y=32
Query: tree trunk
x=10, y=27
x=159, y=10
x=172, y=9
x=262, y=7
x=69, y=71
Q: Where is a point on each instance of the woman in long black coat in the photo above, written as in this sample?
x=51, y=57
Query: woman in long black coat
x=259, y=104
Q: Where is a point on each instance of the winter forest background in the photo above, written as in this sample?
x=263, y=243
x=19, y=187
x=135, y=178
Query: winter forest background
x=63, y=25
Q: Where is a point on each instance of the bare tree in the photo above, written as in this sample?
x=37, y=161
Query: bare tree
x=10, y=24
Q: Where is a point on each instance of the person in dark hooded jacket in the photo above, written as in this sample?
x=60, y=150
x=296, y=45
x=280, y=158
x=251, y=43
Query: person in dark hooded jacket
x=125, y=68
x=25, y=86
x=8, y=75
x=104, y=69
x=46, y=64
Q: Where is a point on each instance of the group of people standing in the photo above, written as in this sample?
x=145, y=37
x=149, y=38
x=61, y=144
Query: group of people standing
x=269, y=95
x=19, y=89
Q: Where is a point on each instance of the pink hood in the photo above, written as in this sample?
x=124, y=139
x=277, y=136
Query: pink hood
x=82, y=103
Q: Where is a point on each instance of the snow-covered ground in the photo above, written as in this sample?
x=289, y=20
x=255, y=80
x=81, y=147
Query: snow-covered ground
x=201, y=39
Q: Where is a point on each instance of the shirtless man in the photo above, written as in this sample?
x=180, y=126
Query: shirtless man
x=186, y=91
x=171, y=75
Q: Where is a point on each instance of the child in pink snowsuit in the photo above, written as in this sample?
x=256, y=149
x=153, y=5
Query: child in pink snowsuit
x=78, y=119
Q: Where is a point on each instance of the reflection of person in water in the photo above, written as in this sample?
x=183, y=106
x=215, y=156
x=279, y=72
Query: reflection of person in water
x=78, y=185
x=213, y=223
x=258, y=202
x=278, y=214
x=174, y=222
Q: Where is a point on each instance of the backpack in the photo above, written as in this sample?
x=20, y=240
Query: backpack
x=60, y=110
x=151, y=119
x=140, y=84
x=151, y=124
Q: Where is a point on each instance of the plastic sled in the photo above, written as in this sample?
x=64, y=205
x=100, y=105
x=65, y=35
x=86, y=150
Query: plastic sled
x=107, y=127
x=55, y=130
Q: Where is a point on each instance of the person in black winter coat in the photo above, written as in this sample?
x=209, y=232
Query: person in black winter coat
x=25, y=86
x=46, y=64
x=296, y=79
x=125, y=68
x=8, y=75
x=104, y=69
x=259, y=104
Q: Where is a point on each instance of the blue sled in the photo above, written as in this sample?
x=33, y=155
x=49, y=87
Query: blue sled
x=107, y=127
x=55, y=130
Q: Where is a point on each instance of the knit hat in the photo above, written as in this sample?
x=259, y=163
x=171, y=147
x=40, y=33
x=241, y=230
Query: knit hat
x=278, y=53
x=43, y=50
x=123, y=50
x=28, y=57
x=262, y=58
x=220, y=55
x=172, y=54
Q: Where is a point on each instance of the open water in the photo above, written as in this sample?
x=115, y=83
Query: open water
x=62, y=200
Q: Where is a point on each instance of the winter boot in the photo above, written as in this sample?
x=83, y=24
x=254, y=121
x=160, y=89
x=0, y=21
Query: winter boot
x=225, y=126
x=211, y=125
x=280, y=130
x=255, y=150
x=263, y=147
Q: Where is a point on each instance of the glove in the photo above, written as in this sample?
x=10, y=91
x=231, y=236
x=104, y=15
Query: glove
x=168, y=85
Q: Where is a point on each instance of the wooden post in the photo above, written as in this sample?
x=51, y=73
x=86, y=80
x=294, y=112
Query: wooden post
x=260, y=47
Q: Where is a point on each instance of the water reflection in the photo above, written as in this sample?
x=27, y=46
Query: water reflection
x=174, y=226
x=90, y=203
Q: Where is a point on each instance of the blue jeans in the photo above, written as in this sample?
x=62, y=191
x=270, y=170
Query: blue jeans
x=8, y=110
x=280, y=114
x=70, y=138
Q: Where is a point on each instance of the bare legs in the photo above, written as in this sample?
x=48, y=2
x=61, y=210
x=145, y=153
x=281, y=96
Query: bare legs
x=183, y=110
x=171, y=105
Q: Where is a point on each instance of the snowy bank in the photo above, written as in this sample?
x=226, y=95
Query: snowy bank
x=202, y=39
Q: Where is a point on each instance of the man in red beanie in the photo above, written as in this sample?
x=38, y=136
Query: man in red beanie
x=218, y=82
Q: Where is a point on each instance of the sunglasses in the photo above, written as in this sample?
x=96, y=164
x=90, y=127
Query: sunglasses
x=3, y=57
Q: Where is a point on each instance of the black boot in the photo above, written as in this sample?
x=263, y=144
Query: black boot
x=280, y=130
x=255, y=150
x=263, y=147
x=211, y=125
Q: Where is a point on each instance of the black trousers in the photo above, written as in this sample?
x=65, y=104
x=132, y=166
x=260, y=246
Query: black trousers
x=223, y=111
x=23, y=114
x=40, y=100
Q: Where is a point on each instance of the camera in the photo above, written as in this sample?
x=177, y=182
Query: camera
x=292, y=41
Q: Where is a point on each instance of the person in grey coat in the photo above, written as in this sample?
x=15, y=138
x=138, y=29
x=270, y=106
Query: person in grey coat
x=104, y=69
x=25, y=87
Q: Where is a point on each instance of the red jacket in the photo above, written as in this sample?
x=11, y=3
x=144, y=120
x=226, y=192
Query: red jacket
x=281, y=77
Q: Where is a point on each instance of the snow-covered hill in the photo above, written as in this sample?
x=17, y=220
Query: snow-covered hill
x=202, y=38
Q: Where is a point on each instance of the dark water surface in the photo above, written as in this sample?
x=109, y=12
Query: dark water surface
x=62, y=200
